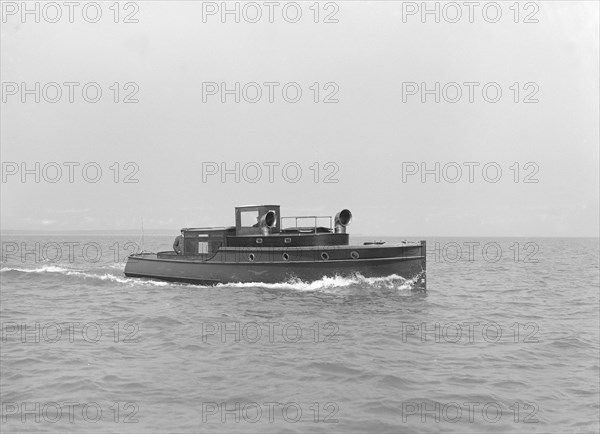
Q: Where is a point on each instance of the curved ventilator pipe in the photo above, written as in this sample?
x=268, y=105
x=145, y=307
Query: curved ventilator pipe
x=267, y=221
x=342, y=219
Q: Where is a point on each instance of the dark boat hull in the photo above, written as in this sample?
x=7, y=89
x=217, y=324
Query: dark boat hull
x=404, y=261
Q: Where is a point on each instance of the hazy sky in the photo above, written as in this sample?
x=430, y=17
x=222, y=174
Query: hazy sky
x=373, y=61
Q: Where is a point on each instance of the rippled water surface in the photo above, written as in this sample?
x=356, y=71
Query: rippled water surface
x=506, y=338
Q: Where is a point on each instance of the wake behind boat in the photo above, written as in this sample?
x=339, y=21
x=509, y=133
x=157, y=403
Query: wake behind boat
x=260, y=249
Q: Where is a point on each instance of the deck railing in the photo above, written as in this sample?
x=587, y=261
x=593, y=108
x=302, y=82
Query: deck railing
x=313, y=217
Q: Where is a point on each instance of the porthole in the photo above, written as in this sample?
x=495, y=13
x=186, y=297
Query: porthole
x=324, y=256
x=259, y=241
x=285, y=257
x=251, y=257
x=354, y=255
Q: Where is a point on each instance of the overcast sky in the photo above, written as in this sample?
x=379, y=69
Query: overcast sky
x=374, y=138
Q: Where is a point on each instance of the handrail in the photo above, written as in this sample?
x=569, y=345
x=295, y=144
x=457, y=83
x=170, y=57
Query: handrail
x=315, y=217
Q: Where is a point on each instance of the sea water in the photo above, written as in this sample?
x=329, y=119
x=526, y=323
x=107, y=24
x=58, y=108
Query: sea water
x=506, y=338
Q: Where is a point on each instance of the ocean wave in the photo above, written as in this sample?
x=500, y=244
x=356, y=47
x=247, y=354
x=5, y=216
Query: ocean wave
x=43, y=269
x=392, y=282
x=336, y=282
x=53, y=269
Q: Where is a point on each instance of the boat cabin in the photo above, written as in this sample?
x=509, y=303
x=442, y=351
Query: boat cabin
x=261, y=226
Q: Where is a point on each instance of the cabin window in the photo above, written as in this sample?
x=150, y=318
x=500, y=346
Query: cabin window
x=324, y=256
x=249, y=219
x=259, y=241
x=285, y=256
x=354, y=255
x=251, y=257
x=287, y=240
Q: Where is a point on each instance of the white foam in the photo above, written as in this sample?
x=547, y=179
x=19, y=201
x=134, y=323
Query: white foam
x=43, y=269
x=324, y=284
x=328, y=283
x=71, y=272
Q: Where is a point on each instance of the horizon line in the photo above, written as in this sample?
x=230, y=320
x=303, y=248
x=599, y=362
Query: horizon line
x=169, y=231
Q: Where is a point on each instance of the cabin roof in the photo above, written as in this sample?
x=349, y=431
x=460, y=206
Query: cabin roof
x=208, y=229
x=254, y=206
